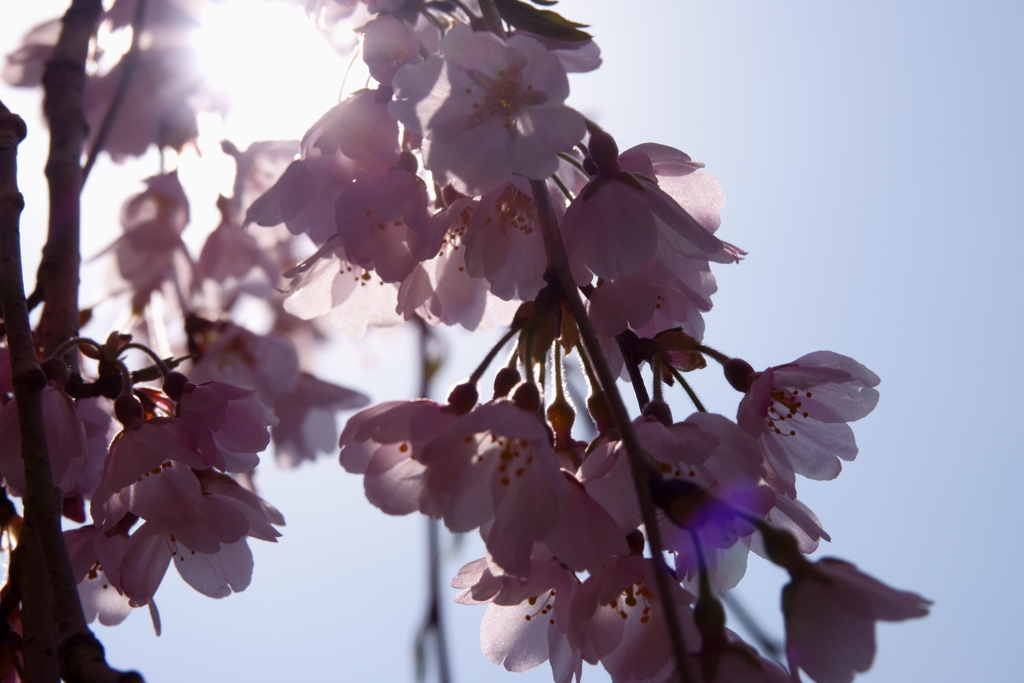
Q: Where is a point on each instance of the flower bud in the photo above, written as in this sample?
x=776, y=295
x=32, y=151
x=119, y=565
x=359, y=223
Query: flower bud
x=407, y=161
x=74, y=509
x=636, y=542
x=527, y=397
x=449, y=194
x=597, y=404
x=505, y=380
x=604, y=152
x=709, y=616
x=561, y=416
x=681, y=500
x=781, y=548
x=463, y=397
x=74, y=385
x=56, y=371
x=127, y=409
x=660, y=411
x=174, y=385
x=739, y=373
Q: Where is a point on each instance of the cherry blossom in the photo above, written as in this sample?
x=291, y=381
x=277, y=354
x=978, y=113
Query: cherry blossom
x=199, y=521
x=385, y=443
x=525, y=623
x=495, y=466
x=382, y=219
x=65, y=436
x=96, y=561
x=258, y=167
x=388, y=44
x=617, y=619
x=306, y=419
x=138, y=450
x=452, y=187
x=441, y=290
x=504, y=245
x=164, y=95
x=229, y=425
x=487, y=109
x=831, y=608
x=267, y=364
x=654, y=300
x=659, y=227
x=301, y=201
x=231, y=252
x=151, y=252
x=353, y=139
x=799, y=413
x=24, y=66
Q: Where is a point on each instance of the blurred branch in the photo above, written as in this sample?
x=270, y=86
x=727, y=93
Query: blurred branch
x=769, y=645
x=63, y=83
x=431, y=359
x=130, y=61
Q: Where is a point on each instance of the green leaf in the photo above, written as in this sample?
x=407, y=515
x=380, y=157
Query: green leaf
x=541, y=22
x=545, y=3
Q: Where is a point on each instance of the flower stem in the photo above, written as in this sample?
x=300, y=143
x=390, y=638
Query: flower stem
x=587, y=369
x=558, y=269
x=572, y=160
x=686, y=387
x=157, y=360
x=625, y=341
x=492, y=19
x=656, y=364
x=489, y=358
x=73, y=343
x=562, y=187
x=717, y=355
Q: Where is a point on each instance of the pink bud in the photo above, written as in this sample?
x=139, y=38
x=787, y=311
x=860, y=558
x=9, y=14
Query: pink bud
x=738, y=372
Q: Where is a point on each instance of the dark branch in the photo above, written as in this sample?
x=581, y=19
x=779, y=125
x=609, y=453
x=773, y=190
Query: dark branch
x=78, y=654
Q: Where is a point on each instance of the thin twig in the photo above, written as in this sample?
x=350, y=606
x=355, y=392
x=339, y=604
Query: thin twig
x=558, y=267
x=768, y=644
x=433, y=623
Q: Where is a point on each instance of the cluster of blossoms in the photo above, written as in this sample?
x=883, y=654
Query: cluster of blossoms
x=166, y=467
x=462, y=190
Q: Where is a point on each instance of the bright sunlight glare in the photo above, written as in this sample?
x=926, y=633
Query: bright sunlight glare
x=279, y=72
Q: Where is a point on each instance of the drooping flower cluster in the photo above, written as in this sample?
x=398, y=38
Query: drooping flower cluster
x=486, y=116
x=457, y=188
x=167, y=467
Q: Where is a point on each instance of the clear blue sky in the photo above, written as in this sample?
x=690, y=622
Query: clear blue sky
x=870, y=153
